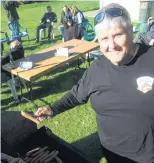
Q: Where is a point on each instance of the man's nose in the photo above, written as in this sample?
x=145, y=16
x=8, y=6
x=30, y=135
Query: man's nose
x=112, y=43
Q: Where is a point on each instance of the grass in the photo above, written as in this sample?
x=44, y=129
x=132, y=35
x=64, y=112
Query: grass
x=76, y=126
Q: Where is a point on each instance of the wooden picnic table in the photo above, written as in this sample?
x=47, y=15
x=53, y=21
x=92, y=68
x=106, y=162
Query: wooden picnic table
x=45, y=60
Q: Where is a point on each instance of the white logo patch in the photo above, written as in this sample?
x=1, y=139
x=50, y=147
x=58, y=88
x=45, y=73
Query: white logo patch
x=145, y=83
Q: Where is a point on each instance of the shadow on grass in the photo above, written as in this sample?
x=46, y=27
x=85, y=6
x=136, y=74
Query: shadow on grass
x=59, y=84
x=31, y=47
x=90, y=146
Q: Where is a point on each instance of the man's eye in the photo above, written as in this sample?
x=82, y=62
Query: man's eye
x=104, y=39
x=119, y=34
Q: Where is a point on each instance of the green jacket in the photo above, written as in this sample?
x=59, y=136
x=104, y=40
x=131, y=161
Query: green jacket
x=10, y=8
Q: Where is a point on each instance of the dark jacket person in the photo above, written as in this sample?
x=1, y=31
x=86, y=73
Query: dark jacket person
x=120, y=86
x=46, y=22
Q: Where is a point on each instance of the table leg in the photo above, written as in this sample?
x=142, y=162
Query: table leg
x=11, y=84
x=27, y=85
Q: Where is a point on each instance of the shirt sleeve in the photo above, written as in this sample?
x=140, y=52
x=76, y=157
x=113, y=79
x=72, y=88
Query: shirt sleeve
x=79, y=94
x=79, y=17
x=54, y=18
x=43, y=18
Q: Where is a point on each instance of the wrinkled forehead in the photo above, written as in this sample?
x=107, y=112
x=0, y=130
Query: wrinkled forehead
x=103, y=31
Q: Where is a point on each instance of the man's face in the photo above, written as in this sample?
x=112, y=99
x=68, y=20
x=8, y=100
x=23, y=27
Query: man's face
x=49, y=9
x=115, y=42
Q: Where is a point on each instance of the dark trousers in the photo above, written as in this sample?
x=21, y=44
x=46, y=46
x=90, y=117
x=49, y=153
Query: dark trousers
x=17, y=53
x=114, y=158
x=42, y=26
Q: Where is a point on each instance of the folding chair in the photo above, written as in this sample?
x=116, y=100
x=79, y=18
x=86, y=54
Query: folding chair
x=24, y=33
x=140, y=28
x=89, y=33
x=3, y=40
x=45, y=30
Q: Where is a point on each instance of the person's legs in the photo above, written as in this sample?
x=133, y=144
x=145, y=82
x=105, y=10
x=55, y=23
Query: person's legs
x=14, y=28
x=10, y=25
x=61, y=30
x=114, y=158
x=49, y=26
x=17, y=29
x=41, y=26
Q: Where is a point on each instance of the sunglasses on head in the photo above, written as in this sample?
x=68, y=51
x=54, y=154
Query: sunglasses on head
x=112, y=12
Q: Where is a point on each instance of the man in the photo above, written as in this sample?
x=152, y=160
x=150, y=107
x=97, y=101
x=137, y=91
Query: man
x=65, y=16
x=13, y=17
x=46, y=22
x=16, y=52
x=120, y=85
x=148, y=37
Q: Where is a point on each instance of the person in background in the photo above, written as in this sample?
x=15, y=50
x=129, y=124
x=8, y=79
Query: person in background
x=72, y=31
x=46, y=22
x=120, y=86
x=16, y=52
x=65, y=16
x=77, y=15
x=13, y=17
x=148, y=37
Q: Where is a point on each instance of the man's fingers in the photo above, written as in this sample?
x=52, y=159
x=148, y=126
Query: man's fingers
x=42, y=118
x=40, y=111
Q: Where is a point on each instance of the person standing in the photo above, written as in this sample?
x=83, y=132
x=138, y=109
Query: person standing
x=46, y=22
x=77, y=15
x=13, y=17
x=120, y=86
x=65, y=16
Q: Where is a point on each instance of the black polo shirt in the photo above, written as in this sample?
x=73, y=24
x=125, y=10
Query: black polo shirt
x=123, y=99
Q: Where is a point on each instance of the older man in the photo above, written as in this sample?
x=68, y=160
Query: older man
x=120, y=87
x=46, y=21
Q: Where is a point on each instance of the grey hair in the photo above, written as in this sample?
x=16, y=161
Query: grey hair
x=123, y=20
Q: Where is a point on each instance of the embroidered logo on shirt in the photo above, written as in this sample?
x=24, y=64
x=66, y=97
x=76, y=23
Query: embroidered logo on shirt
x=145, y=83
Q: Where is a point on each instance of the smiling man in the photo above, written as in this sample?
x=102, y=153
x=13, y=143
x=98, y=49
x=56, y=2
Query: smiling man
x=120, y=86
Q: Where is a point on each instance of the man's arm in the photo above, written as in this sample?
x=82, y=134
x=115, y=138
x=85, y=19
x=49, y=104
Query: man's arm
x=54, y=18
x=43, y=18
x=79, y=94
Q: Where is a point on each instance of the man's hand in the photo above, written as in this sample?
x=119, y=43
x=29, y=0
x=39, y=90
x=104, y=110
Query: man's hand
x=43, y=113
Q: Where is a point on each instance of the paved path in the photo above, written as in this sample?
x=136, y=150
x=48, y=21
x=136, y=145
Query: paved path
x=91, y=13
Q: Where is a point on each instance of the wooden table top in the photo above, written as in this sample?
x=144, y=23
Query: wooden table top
x=45, y=60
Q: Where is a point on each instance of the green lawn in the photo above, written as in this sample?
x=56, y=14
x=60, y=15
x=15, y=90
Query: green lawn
x=76, y=126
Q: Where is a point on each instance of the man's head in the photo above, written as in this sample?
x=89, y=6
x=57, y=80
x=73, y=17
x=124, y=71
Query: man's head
x=49, y=8
x=114, y=32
